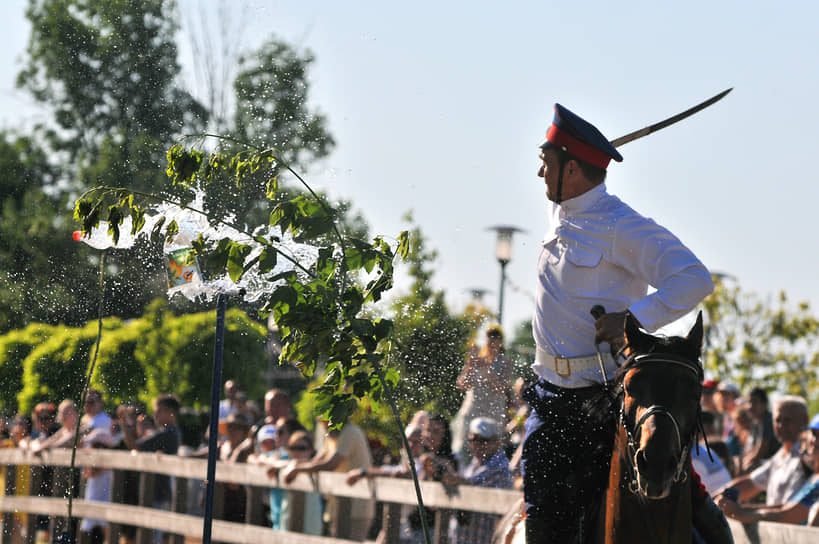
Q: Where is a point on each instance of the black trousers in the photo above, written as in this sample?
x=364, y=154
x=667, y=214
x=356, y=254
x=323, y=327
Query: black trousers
x=565, y=460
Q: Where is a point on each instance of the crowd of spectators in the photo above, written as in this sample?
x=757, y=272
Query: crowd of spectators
x=759, y=463
x=765, y=462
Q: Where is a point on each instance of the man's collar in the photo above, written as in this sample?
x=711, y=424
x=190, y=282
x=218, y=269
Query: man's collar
x=585, y=201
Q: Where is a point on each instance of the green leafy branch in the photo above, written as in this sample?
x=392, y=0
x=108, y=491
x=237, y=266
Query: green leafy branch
x=320, y=312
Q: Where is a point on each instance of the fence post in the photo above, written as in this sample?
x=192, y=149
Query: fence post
x=179, y=503
x=391, y=523
x=65, y=482
x=118, y=497
x=8, y=517
x=442, y=517
x=340, y=520
x=254, y=505
x=296, y=501
x=36, y=488
x=147, y=485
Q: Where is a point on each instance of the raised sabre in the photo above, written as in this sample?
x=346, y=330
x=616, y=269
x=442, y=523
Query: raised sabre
x=630, y=137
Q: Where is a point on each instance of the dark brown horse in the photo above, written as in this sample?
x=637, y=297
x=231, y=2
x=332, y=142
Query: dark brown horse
x=652, y=409
x=657, y=396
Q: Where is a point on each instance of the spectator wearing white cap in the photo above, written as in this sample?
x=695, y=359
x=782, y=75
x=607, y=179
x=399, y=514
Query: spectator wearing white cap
x=266, y=441
x=489, y=468
x=266, y=438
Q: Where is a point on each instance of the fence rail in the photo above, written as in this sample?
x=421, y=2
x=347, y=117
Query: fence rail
x=392, y=492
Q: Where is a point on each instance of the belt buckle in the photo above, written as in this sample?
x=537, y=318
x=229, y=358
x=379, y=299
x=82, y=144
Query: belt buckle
x=568, y=367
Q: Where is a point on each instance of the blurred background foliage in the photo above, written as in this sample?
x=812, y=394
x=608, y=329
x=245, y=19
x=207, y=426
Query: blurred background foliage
x=138, y=359
x=108, y=74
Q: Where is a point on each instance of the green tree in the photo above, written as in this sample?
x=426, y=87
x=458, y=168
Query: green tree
x=15, y=347
x=272, y=97
x=108, y=72
x=431, y=341
x=772, y=344
x=109, y=69
x=44, y=276
x=521, y=348
x=138, y=359
x=272, y=112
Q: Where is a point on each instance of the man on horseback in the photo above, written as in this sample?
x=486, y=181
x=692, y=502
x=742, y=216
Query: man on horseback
x=598, y=251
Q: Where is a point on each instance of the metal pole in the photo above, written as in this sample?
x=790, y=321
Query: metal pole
x=215, y=394
x=500, y=298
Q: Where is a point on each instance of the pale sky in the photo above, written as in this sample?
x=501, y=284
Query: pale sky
x=437, y=107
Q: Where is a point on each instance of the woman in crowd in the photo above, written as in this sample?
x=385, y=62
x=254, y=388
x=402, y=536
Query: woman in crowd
x=235, y=449
x=299, y=449
x=67, y=415
x=437, y=460
x=44, y=421
x=486, y=379
x=20, y=437
x=411, y=530
x=739, y=440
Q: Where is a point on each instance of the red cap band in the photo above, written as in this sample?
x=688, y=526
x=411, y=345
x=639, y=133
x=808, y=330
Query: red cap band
x=575, y=147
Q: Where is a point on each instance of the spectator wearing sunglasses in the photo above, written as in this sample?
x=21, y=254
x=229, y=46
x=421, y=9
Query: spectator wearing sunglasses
x=489, y=468
x=343, y=450
x=300, y=449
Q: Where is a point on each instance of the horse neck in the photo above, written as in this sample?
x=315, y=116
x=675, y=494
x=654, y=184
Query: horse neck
x=626, y=518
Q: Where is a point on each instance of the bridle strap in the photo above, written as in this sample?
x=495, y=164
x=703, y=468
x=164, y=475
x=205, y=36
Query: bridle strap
x=656, y=409
x=636, y=361
x=670, y=358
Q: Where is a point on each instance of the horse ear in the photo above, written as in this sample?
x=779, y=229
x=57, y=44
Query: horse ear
x=636, y=339
x=694, y=337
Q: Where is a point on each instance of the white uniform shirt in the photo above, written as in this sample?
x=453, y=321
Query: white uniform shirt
x=600, y=251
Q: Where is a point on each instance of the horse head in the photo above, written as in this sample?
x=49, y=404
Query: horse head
x=661, y=383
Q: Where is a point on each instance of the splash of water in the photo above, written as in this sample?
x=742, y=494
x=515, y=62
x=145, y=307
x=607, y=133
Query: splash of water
x=251, y=286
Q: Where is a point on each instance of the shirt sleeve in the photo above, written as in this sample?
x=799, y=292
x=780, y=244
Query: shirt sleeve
x=652, y=253
x=807, y=495
x=760, y=476
x=347, y=441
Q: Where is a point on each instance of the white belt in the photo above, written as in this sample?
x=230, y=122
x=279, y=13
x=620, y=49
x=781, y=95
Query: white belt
x=565, y=366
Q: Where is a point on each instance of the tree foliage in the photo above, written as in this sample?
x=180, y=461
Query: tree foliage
x=138, y=359
x=318, y=306
x=42, y=276
x=431, y=341
x=15, y=347
x=272, y=112
x=272, y=95
x=768, y=343
x=108, y=72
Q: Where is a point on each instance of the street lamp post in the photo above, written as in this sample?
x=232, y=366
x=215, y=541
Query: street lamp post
x=503, y=253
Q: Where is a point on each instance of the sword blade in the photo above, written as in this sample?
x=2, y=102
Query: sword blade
x=630, y=137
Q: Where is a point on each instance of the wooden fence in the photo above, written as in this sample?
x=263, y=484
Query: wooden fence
x=49, y=475
x=392, y=492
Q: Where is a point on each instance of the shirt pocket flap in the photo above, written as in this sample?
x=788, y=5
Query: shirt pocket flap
x=583, y=256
